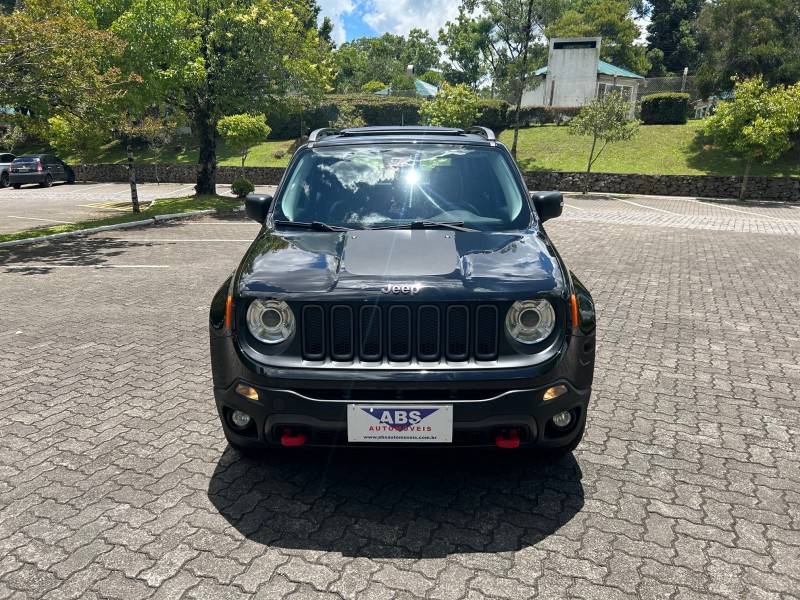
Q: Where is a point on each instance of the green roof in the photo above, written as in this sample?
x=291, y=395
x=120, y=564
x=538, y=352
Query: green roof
x=603, y=68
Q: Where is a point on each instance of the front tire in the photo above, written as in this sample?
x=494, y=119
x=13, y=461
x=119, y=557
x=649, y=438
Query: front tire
x=17, y=186
x=70, y=177
x=48, y=182
x=4, y=180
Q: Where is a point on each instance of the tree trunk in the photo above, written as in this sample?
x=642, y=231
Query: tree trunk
x=748, y=165
x=132, y=181
x=589, y=167
x=207, y=135
x=516, y=126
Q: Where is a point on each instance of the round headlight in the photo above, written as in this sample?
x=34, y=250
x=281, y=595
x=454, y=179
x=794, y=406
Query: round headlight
x=530, y=321
x=270, y=321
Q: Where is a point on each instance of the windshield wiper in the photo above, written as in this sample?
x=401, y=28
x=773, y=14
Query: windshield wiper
x=455, y=225
x=314, y=226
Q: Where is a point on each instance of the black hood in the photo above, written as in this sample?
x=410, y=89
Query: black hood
x=442, y=264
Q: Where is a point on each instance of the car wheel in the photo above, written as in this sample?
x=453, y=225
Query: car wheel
x=17, y=186
x=48, y=181
x=70, y=177
x=4, y=180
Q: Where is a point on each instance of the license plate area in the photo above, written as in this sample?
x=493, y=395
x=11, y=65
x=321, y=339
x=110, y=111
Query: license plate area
x=392, y=423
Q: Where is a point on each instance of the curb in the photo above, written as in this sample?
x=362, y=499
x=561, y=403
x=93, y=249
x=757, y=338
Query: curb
x=152, y=221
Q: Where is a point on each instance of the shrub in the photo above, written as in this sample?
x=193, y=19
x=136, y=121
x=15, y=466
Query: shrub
x=492, y=114
x=373, y=86
x=671, y=108
x=348, y=117
x=453, y=106
x=537, y=114
x=241, y=187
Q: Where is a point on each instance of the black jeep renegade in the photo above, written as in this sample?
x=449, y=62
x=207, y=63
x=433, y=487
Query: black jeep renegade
x=403, y=291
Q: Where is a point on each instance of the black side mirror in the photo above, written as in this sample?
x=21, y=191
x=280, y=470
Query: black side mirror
x=257, y=206
x=548, y=204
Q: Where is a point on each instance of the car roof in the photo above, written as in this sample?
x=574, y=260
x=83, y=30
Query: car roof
x=402, y=133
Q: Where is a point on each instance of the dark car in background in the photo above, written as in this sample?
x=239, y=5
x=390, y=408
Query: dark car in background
x=403, y=291
x=44, y=169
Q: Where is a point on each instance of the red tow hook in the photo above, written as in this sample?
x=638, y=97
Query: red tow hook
x=507, y=438
x=289, y=439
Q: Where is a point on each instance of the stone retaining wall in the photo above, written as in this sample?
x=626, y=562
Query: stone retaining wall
x=171, y=173
x=785, y=189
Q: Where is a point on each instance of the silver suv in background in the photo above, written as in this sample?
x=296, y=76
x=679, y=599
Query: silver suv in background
x=5, y=167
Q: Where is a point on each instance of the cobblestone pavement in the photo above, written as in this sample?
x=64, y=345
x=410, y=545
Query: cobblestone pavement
x=116, y=482
x=31, y=206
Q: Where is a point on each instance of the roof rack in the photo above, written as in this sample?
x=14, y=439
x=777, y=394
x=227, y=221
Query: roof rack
x=485, y=132
x=320, y=133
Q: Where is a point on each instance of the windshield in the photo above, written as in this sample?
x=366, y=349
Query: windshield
x=23, y=160
x=397, y=184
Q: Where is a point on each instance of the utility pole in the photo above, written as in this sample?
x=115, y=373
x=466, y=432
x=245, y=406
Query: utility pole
x=683, y=80
x=132, y=181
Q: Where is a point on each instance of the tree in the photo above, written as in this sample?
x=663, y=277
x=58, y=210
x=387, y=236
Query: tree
x=54, y=62
x=747, y=38
x=12, y=137
x=606, y=119
x=453, y=106
x=72, y=136
x=421, y=51
x=757, y=124
x=215, y=57
x=382, y=58
x=672, y=31
x=515, y=42
x=611, y=19
x=242, y=132
x=156, y=132
x=465, y=41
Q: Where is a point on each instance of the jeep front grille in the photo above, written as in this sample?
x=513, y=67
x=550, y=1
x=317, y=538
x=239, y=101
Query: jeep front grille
x=399, y=333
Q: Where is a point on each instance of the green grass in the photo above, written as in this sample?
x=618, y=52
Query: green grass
x=655, y=150
x=262, y=155
x=165, y=206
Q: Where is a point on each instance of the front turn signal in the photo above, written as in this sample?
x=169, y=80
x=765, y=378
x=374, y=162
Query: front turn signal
x=554, y=392
x=573, y=305
x=247, y=391
x=229, y=313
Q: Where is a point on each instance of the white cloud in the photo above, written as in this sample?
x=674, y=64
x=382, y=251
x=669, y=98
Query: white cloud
x=400, y=16
x=336, y=9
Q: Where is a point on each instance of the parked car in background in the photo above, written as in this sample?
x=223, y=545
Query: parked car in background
x=5, y=166
x=43, y=169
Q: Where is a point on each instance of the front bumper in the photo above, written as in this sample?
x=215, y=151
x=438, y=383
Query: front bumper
x=485, y=402
x=323, y=422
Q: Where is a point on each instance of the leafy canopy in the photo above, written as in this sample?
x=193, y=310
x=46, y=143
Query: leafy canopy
x=759, y=122
x=746, y=38
x=453, y=106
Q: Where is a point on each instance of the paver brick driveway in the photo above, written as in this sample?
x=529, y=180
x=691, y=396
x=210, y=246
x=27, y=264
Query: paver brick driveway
x=116, y=482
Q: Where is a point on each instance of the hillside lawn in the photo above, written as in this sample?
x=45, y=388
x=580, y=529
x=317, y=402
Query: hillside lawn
x=655, y=150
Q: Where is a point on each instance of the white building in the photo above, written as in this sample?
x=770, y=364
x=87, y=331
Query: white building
x=575, y=75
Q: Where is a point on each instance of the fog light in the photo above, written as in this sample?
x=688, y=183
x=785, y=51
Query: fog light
x=248, y=392
x=240, y=419
x=562, y=419
x=554, y=392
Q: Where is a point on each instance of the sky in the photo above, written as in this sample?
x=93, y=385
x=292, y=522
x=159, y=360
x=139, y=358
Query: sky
x=359, y=18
